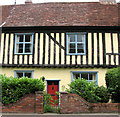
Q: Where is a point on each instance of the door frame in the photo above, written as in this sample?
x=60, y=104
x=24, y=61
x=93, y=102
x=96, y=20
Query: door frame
x=59, y=86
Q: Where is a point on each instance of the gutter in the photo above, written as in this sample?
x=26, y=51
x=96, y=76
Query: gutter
x=2, y=24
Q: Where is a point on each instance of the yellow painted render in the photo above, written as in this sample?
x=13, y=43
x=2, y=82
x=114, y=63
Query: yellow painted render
x=6, y=48
x=36, y=48
x=90, y=49
x=62, y=51
x=2, y=46
x=11, y=48
x=57, y=48
x=100, y=48
x=63, y=74
x=52, y=50
x=95, y=48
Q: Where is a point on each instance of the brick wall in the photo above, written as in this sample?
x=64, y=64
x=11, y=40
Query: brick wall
x=73, y=103
x=30, y=103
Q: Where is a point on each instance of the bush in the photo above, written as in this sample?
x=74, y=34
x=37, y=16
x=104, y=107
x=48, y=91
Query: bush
x=88, y=90
x=14, y=88
x=47, y=107
x=102, y=92
x=113, y=83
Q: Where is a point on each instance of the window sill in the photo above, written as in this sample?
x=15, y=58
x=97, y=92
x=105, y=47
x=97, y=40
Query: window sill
x=22, y=53
x=76, y=54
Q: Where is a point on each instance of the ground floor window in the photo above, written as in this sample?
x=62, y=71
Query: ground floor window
x=19, y=74
x=89, y=76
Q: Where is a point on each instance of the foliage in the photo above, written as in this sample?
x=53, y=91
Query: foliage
x=113, y=83
x=14, y=88
x=102, y=92
x=48, y=106
x=88, y=90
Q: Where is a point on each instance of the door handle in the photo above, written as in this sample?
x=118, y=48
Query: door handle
x=52, y=88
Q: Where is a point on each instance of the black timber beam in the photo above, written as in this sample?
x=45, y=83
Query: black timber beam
x=61, y=29
x=60, y=66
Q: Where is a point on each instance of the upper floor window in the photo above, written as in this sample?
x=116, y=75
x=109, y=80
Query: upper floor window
x=76, y=43
x=89, y=76
x=23, y=43
x=19, y=74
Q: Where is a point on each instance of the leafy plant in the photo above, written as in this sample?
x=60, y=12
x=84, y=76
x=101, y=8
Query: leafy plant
x=113, y=83
x=14, y=88
x=103, y=94
x=47, y=107
x=87, y=90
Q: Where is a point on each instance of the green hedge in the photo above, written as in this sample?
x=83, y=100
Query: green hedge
x=89, y=91
x=113, y=83
x=14, y=88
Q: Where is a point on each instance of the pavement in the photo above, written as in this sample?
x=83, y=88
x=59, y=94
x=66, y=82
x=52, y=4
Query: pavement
x=61, y=115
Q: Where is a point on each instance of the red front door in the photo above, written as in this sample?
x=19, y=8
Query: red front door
x=52, y=88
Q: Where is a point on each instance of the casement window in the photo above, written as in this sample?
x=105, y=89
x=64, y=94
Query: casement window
x=23, y=43
x=19, y=74
x=76, y=43
x=90, y=76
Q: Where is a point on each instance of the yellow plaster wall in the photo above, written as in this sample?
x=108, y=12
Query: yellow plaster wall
x=64, y=74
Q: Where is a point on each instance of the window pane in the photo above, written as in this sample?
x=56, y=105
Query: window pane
x=80, y=50
x=27, y=48
x=56, y=82
x=76, y=75
x=19, y=38
x=28, y=38
x=49, y=82
x=80, y=38
x=19, y=75
x=28, y=74
x=19, y=48
x=80, y=46
x=71, y=38
x=72, y=46
x=84, y=76
x=71, y=50
x=92, y=76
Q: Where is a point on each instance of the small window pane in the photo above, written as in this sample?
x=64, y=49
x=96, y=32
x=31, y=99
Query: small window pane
x=72, y=51
x=76, y=76
x=19, y=48
x=19, y=75
x=56, y=83
x=28, y=38
x=80, y=50
x=80, y=46
x=20, y=38
x=71, y=38
x=92, y=76
x=49, y=82
x=28, y=74
x=80, y=38
x=27, y=48
x=84, y=76
x=72, y=46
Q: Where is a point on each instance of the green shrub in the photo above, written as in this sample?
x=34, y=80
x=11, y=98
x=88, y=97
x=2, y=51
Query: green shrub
x=47, y=107
x=88, y=90
x=102, y=92
x=113, y=83
x=14, y=88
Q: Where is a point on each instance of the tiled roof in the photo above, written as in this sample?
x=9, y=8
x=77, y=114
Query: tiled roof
x=61, y=14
